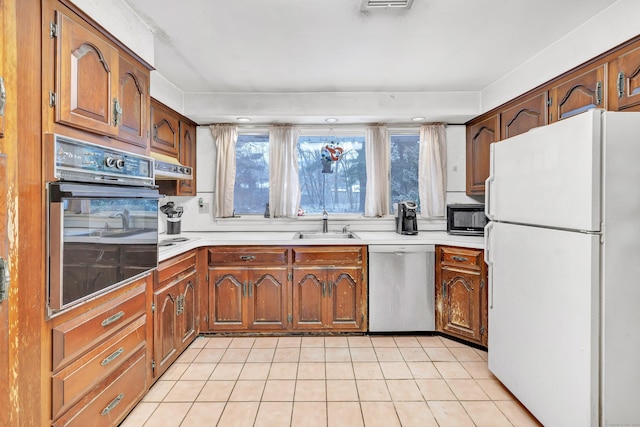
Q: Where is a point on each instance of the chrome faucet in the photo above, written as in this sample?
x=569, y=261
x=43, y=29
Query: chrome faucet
x=325, y=221
x=125, y=215
x=345, y=229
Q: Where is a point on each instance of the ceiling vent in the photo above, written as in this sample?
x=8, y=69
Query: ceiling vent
x=386, y=4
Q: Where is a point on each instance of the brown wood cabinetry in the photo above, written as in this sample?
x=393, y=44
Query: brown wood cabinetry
x=328, y=287
x=480, y=135
x=92, y=83
x=174, y=135
x=578, y=93
x=461, y=294
x=525, y=115
x=624, y=80
x=100, y=363
x=248, y=288
x=270, y=288
x=175, y=299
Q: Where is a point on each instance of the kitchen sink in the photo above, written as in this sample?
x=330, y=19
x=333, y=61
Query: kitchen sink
x=313, y=235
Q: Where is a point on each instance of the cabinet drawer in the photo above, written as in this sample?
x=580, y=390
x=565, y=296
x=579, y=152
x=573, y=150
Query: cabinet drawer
x=79, y=377
x=107, y=406
x=72, y=338
x=461, y=257
x=247, y=256
x=175, y=268
x=328, y=255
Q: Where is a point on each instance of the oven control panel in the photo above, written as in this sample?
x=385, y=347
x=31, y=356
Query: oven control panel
x=82, y=161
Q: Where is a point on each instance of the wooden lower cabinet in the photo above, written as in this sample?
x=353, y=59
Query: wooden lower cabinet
x=461, y=294
x=263, y=288
x=100, y=358
x=327, y=298
x=175, y=310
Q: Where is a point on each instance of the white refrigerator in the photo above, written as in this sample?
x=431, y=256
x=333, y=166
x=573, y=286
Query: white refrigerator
x=563, y=251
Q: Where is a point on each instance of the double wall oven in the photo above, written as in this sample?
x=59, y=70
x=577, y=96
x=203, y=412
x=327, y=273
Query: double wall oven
x=102, y=219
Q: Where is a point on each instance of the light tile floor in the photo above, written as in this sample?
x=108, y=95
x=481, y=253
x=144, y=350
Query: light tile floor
x=345, y=381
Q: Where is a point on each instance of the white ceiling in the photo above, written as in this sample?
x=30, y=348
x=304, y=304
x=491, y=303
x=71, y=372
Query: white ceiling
x=306, y=46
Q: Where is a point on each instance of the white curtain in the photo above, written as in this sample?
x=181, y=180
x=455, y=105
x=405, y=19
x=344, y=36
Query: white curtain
x=377, y=149
x=225, y=137
x=432, y=166
x=284, y=185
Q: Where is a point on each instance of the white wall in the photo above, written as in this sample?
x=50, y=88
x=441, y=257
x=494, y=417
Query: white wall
x=123, y=23
x=196, y=218
x=613, y=26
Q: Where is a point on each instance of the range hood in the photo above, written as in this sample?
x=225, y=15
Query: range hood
x=166, y=167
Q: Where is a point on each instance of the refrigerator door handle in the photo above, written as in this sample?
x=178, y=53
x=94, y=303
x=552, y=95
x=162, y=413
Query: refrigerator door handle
x=487, y=187
x=488, y=260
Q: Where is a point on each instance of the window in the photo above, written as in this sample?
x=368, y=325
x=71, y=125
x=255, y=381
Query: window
x=337, y=186
x=342, y=186
x=251, y=191
x=405, y=151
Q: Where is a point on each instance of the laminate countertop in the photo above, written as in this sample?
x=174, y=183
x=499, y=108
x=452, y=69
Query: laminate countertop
x=180, y=243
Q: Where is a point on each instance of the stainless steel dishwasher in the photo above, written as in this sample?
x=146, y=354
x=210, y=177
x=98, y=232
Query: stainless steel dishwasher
x=401, y=288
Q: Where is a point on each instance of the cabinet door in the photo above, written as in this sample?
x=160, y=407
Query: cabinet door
x=345, y=299
x=87, y=76
x=187, y=329
x=165, y=328
x=524, y=116
x=133, y=99
x=267, y=298
x=227, y=305
x=479, y=137
x=5, y=406
x=187, y=187
x=309, y=291
x=580, y=93
x=165, y=130
x=461, y=304
x=624, y=82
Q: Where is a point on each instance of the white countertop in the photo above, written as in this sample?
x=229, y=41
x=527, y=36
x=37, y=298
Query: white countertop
x=286, y=238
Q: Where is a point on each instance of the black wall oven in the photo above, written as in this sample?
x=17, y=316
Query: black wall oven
x=102, y=220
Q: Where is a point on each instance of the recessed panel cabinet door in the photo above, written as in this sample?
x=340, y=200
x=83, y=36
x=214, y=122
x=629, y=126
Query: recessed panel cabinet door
x=187, y=311
x=309, y=290
x=267, y=297
x=87, y=78
x=133, y=103
x=479, y=137
x=524, y=116
x=227, y=305
x=580, y=93
x=187, y=187
x=345, y=309
x=461, y=314
x=165, y=130
x=165, y=328
x=624, y=73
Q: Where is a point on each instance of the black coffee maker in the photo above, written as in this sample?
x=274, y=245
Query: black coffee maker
x=406, y=218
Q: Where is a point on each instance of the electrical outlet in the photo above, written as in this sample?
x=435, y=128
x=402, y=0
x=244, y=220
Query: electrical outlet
x=204, y=208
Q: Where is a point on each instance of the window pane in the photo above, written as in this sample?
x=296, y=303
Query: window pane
x=341, y=188
x=251, y=192
x=404, y=169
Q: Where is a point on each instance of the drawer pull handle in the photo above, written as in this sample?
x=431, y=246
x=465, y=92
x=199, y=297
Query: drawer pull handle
x=109, y=320
x=247, y=257
x=460, y=258
x=113, y=356
x=112, y=405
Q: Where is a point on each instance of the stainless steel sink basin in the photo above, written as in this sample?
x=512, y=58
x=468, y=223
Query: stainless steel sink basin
x=324, y=236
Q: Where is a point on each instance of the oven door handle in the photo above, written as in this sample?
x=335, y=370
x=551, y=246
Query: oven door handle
x=70, y=190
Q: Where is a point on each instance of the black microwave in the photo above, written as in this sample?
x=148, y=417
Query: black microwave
x=466, y=219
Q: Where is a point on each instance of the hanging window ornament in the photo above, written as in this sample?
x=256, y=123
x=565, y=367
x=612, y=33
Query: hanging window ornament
x=330, y=153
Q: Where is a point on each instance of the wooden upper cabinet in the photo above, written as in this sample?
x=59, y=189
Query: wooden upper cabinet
x=87, y=76
x=165, y=130
x=582, y=91
x=187, y=187
x=524, y=116
x=480, y=135
x=624, y=81
x=133, y=103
